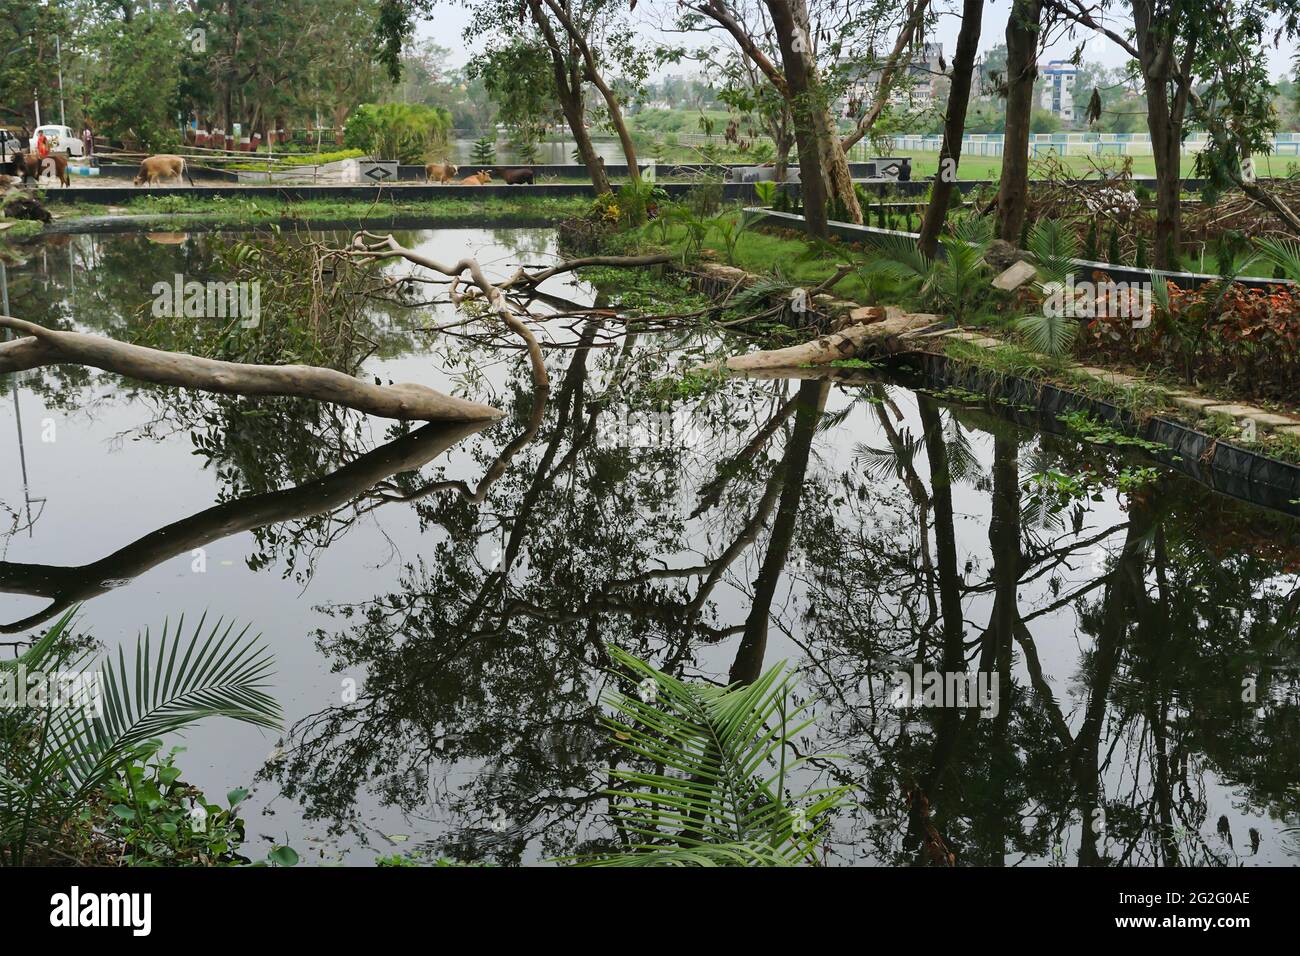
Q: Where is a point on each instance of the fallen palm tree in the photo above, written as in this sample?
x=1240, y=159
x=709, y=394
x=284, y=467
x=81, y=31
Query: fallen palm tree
x=39, y=347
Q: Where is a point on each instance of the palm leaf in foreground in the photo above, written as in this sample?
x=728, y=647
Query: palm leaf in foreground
x=1283, y=253
x=716, y=795
x=168, y=685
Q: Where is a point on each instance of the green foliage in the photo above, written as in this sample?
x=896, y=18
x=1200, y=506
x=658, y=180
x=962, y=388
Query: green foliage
x=58, y=759
x=637, y=200
x=135, y=100
x=1284, y=254
x=519, y=79
x=1086, y=428
x=484, y=151
x=410, y=133
x=729, y=226
x=152, y=817
x=715, y=769
x=1053, y=247
x=953, y=281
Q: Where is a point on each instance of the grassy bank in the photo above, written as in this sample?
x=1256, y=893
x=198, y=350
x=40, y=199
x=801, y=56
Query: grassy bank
x=178, y=211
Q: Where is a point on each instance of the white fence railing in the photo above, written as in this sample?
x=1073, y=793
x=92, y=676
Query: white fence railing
x=1040, y=144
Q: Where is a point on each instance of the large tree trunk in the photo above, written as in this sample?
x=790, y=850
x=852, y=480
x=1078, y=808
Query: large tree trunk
x=571, y=103
x=963, y=65
x=568, y=88
x=591, y=71
x=835, y=162
x=811, y=108
x=1166, y=111
x=1022, y=70
x=812, y=189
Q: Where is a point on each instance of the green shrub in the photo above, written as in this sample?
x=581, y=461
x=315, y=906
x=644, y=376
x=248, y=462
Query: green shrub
x=407, y=132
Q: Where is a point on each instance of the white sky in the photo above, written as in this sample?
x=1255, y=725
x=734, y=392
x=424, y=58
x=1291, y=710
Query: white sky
x=450, y=20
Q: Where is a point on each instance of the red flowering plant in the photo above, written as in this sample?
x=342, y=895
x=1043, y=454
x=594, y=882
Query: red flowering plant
x=1247, y=338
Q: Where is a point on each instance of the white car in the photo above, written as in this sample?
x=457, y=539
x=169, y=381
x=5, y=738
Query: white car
x=62, y=140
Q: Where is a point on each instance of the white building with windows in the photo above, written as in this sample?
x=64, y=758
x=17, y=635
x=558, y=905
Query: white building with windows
x=1058, y=82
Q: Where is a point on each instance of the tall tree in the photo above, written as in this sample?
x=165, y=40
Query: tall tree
x=823, y=165
x=963, y=68
x=579, y=26
x=1023, y=33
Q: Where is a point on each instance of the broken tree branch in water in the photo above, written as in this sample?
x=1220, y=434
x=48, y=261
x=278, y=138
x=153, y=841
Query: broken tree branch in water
x=368, y=245
x=405, y=402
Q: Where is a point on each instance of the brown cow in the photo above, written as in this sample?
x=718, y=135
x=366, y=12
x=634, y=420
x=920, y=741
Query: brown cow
x=481, y=178
x=164, y=166
x=440, y=172
x=33, y=166
x=518, y=177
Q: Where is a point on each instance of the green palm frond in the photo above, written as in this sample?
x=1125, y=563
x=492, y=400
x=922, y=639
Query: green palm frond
x=1160, y=291
x=1053, y=247
x=955, y=279
x=904, y=252
x=1283, y=253
x=763, y=289
x=976, y=231
x=715, y=795
x=1049, y=334
x=166, y=685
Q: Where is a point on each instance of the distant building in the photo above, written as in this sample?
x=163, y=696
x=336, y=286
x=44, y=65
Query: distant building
x=923, y=71
x=915, y=87
x=1058, y=81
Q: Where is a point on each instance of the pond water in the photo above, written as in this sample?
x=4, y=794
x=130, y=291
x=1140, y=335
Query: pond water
x=1144, y=633
x=550, y=152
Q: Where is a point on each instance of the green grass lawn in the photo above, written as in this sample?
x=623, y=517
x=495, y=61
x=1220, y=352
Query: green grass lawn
x=990, y=167
x=763, y=253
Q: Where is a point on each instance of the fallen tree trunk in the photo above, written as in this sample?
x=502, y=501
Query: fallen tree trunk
x=404, y=402
x=836, y=346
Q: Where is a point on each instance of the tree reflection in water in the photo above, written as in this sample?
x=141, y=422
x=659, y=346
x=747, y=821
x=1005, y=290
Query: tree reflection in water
x=485, y=661
x=1144, y=644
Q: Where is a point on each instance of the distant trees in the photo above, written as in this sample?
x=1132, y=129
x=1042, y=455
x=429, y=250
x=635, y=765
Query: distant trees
x=517, y=77
x=583, y=44
x=136, y=98
x=27, y=39
x=407, y=132
x=1179, y=45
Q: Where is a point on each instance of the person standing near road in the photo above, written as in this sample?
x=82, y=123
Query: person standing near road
x=88, y=140
x=42, y=145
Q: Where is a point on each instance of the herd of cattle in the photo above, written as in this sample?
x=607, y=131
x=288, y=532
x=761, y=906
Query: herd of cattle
x=447, y=173
x=155, y=169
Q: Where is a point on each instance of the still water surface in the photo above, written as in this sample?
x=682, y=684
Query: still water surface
x=467, y=583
